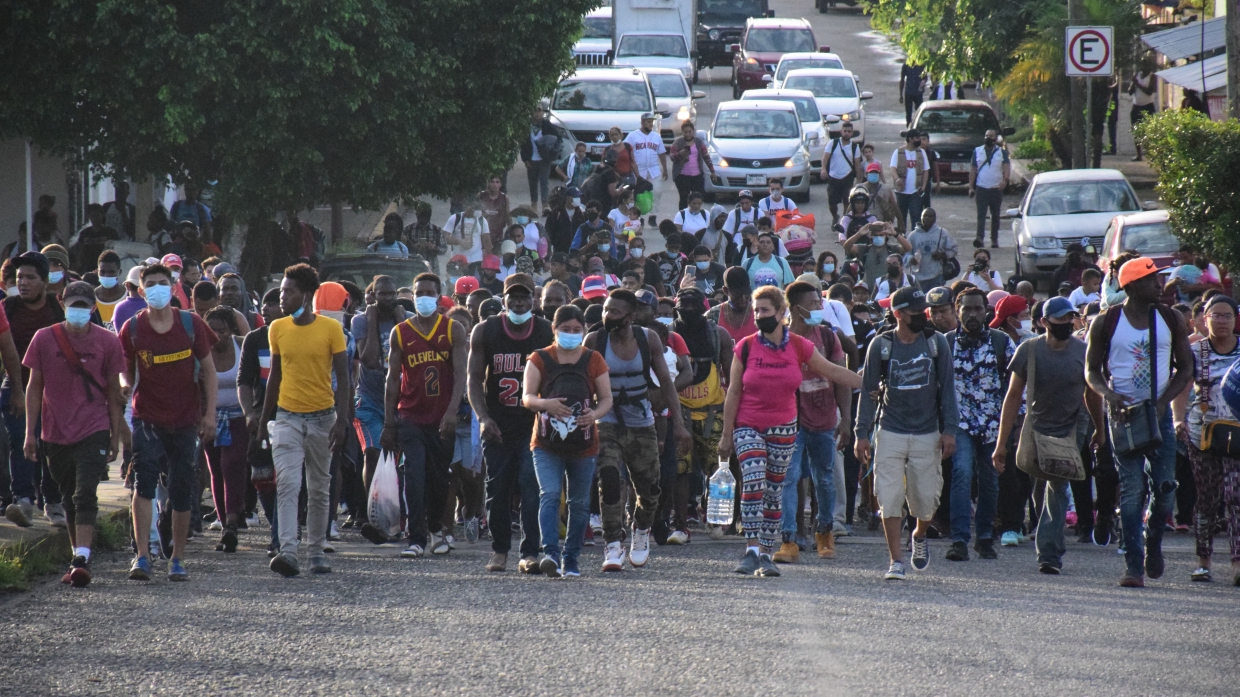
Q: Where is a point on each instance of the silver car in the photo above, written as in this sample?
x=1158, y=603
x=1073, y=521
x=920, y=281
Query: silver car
x=812, y=125
x=752, y=142
x=672, y=90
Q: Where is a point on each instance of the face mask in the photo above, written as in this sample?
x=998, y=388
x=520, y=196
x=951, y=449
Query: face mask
x=108, y=281
x=576, y=203
x=665, y=321
x=604, y=247
x=636, y=251
x=918, y=322
x=893, y=270
x=776, y=195
x=917, y=142
x=158, y=297
x=592, y=215
x=299, y=312
x=990, y=141
x=878, y=241
x=337, y=315
x=523, y=219
x=816, y=317
x=703, y=265
x=425, y=305
x=1026, y=325
x=519, y=317
x=58, y=276
x=828, y=268
x=973, y=325
x=872, y=177
x=1060, y=331
x=176, y=275
x=77, y=317
x=12, y=291
x=767, y=324
x=569, y=341
x=613, y=325
x=452, y=280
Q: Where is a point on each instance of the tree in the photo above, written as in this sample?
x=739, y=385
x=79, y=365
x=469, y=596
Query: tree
x=1198, y=164
x=284, y=104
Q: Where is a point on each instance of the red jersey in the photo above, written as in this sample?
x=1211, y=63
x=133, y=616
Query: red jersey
x=425, y=371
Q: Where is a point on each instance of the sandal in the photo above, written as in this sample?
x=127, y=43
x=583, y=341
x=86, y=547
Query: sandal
x=1202, y=574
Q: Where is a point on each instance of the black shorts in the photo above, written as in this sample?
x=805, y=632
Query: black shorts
x=837, y=190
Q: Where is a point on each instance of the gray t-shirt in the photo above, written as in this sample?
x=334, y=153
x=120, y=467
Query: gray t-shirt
x=921, y=389
x=936, y=239
x=373, y=382
x=627, y=375
x=1059, y=392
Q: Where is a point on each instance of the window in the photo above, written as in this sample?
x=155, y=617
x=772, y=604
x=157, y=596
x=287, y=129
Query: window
x=1150, y=239
x=747, y=8
x=972, y=121
x=807, y=109
x=780, y=41
x=1069, y=198
x=668, y=86
x=597, y=95
x=823, y=86
x=598, y=28
x=802, y=63
x=754, y=123
x=652, y=45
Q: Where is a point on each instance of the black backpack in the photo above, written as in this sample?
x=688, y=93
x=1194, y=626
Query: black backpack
x=571, y=382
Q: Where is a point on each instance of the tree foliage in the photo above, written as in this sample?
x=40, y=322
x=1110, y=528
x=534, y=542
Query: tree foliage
x=1198, y=165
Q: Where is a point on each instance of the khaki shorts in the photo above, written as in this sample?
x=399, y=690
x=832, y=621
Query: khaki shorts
x=908, y=467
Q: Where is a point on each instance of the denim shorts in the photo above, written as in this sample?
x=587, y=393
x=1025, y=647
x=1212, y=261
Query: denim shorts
x=166, y=452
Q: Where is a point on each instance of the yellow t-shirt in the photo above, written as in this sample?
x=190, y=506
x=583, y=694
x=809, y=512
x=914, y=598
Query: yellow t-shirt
x=306, y=362
x=106, y=311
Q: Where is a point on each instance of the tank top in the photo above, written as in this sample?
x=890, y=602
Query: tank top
x=425, y=371
x=628, y=377
x=107, y=311
x=738, y=332
x=505, y=369
x=1129, y=358
x=1206, y=404
x=226, y=397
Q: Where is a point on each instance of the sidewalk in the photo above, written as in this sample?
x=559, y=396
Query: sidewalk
x=1139, y=174
x=113, y=496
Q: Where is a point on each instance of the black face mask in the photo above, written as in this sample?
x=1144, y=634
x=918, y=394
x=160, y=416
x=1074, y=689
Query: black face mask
x=917, y=142
x=767, y=324
x=990, y=141
x=1060, y=331
x=614, y=325
x=918, y=322
x=694, y=308
x=893, y=270
x=973, y=325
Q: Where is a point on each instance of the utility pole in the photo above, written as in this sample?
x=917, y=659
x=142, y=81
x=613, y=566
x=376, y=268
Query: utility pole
x=1076, y=126
x=1233, y=58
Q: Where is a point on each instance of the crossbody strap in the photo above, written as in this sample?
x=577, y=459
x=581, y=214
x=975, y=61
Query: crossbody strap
x=1154, y=355
x=75, y=363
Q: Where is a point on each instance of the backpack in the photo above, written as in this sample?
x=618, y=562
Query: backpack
x=885, y=340
x=594, y=189
x=646, y=394
x=571, y=382
x=187, y=322
x=1111, y=321
x=835, y=145
x=998, y=344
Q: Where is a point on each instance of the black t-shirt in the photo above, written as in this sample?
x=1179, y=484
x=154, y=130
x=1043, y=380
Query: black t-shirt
x=24, y=322
x=573, y=281
x=912, y=75
x=505, y=356
x=670, y=267
x=711, y=279
x=255, y=364
x=495, y=285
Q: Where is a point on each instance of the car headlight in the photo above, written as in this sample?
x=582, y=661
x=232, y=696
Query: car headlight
x=714, y=34
x=798, y=159
x=683, y=114
x=1045, y=243
x=851, y=116
x=751, y=61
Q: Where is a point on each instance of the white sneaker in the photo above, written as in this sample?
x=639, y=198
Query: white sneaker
x=439, y=544
x=334, y=532
x=253, y=520
x=613, y=557
x=716, y=532
x=56, y=515
x=20, y=512
x=678, y=537
x=596, y=522
x=640, y=551
x=840, y=530
x=215, y=525
x=451, y=541
x=412, y=552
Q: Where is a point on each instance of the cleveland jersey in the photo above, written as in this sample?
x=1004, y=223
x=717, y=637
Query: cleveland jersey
x=425, y=371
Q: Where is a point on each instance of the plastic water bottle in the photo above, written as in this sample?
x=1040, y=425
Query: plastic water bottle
x=722, y=496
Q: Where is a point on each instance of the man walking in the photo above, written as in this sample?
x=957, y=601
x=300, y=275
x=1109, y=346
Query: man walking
x=989, y=172
x=305, y=414
x=497, y=350
x=841, y=168
x=650, y=159
x=909, y=170
x=537, y=164
x=932, y=247
x=912, y=89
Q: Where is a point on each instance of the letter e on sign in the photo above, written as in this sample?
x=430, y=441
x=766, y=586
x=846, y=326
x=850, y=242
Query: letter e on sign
x=1088, y=52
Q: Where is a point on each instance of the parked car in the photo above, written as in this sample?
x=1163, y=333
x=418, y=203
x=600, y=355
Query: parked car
x=956, y=127
x=753, y=142
x=813, y=130
x=594, y=46
x=671, y=88
x=361, y=268
x=836, y=93
x=1059, y=208
x=766, y=40
x=592, y=100
x=800, y=61
x=1148, y=232
x=720, y=23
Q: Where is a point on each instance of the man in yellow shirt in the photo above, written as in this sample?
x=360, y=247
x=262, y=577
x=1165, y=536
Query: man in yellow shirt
x=304, y=416
x=111, y=291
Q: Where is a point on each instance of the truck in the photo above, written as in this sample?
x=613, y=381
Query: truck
x=655, y=34
x=720, y=23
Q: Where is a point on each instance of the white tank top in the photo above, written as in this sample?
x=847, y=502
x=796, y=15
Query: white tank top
x=227, y=394
x=1129, y=360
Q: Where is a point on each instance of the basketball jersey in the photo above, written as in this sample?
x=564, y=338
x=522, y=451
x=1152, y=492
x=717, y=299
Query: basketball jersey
x=425, y=371
x=505, y=365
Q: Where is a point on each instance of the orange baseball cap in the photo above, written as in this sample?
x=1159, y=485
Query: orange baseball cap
x=331, y=297
x=1136, y=270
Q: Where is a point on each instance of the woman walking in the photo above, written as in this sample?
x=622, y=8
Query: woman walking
x=226, y=455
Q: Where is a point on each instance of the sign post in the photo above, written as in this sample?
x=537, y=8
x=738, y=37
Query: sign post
x=1088, y=53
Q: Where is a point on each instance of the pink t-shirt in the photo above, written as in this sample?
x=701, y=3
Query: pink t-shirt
x=816, y=400
x=692, y=167
x=770, y=381
x=69, y=416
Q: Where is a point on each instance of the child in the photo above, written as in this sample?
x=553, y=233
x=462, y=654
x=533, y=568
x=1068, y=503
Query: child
x=632, y=226
x=1091, y=281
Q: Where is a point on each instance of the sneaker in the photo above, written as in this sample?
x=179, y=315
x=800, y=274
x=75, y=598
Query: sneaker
x=986, y=549
x=328, y=547
x=766, y=567
x=1102, y=531
x=750, y=563
x=440, y=544
x=176, y=571
x=318, y=565
x=838, y=530
x=550, y=565
x=678, y=537
x=56, y=515
x=529, y=565
x=141, y=569
x=450, y=540
x=921, y=553
x=229, y=541
x=333, y=532
x=1009, y=539
x=412, y=552
x=639, y=551
x=569, y=569
x=79, y=572
x=1132, y=581
x=589, y=541
x=959, y=552
x=1154, y=562
x=716, y=532
x=471, y=530
x=252, y=521
x=895, y=572
x=272, y=551
x=1085, y=537
x=596, y=524
x=978, y=243
x=499, y=562
x=373, y=533
x=215, y=526
x=1202, y=575
x=788, y=553
x=613, y=557
x=1049, y=568
x=826, y=544
x=20, y=512
x=285, y=565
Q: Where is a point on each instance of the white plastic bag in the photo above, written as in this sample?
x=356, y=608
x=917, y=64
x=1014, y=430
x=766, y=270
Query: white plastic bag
x=383, y=508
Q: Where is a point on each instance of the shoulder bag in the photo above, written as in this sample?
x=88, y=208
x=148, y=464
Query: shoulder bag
x=1220, y=437
x=1134, y=429
x=1052, y=458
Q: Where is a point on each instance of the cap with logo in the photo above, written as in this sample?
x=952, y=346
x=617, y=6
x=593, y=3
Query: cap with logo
x=79, y=290
x=939, y=297
x=909, y=299
x=490, y=262
x=593, y=287
x=465, y=285
x=1136, y=270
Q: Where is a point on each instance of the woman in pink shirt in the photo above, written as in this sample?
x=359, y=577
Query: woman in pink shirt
x=760, y=420
x=689, y=163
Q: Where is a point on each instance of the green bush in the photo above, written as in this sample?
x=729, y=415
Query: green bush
x=1033, y=150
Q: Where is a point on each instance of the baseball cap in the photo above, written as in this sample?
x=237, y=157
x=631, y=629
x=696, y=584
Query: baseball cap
x=459, y=259
x=465, y=285
x=874, y=167
x=736, y=278
x=491, y=262
x=648, y=116
x=1066, y=285
x=222, y=268
x=593, y=287
x=912, y=133
x=79, y=290
x=595, y=264
x=572, y=192
x=647, y=297
x=134, y=278
x=745, y=193
x=172, y=261
x=330, y=297
x=35, y=259
x=1136, y=270
x=446, y=303
x=508, y=247
x=994, y=296
x=1057, y=307
x=938, y=297
x=1010, y=306
x=56, y=253
x=909, y=299
x=519, y=280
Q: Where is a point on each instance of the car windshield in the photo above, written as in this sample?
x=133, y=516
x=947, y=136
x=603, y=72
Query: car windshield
x=749, y=8
x=598, y=28
x=823, y=85
x=1068, y=198
x=669, y=86
x=780, y=41
x=802, y=63
x=756, y=123
x=597, y=95
x=971, y=121
x=1150, y=239
x=652, y=45
x=807, y=108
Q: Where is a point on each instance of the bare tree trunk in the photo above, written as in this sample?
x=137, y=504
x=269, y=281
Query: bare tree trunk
x=261, y=236
x=1062, y=149
x=337, y=223
x=1233, y=58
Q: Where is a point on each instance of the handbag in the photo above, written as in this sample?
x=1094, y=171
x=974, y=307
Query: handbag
x=1053, y=458
x=1220, y=437
x=1134, y=429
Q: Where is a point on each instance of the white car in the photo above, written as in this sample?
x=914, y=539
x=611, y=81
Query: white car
x=655, y=50
x=1059, y=208
x=592, y=100
x=800, y=61
x=836, y=93
x=670, y=87
x=752, y=142
x=594, y=46
x=813, y=130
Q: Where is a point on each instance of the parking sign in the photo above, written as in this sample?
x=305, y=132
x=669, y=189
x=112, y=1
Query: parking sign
x=1088, y=52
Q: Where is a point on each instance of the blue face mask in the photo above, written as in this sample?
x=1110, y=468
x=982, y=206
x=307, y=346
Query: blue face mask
x=828, y=268
x=604, y=247
x=425, y=305
x=519, y=317
x=108, y=281
x=872, y=177
x=55, y=276
x=569, y=341
x=816, y=317
x=665, y=320
x=158, y=297
x=703, y=265
x=300, y=311
x=77, y=317
x=523, y=219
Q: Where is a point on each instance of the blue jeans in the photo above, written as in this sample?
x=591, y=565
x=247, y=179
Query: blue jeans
x=1159, y=470
x=973, y=454
x=509, y=468
x=815, y=450
x=551, y=468
x=1049, y=541
x=25, y=475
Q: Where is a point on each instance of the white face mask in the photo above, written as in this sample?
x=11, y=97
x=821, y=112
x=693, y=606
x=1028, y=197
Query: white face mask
x=1026, y=325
